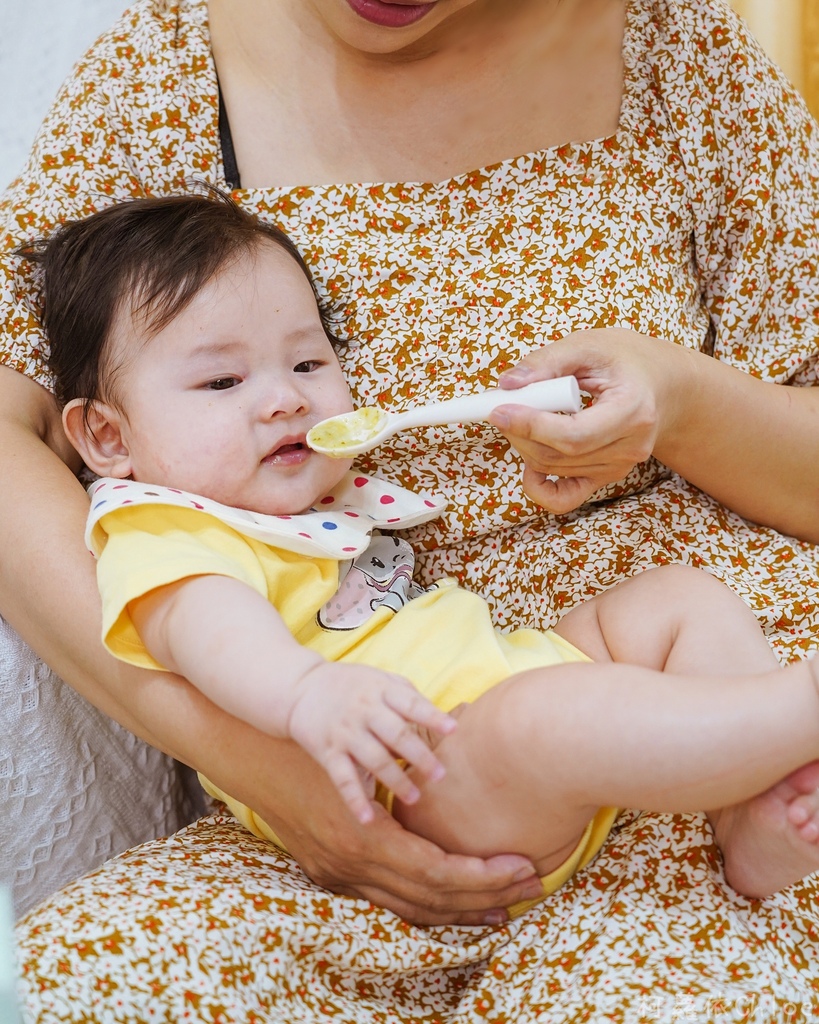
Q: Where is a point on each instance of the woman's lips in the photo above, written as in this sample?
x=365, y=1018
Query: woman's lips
x=390, y=15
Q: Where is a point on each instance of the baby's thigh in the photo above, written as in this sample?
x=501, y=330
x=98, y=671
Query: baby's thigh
x=672, y=618
x=502, y=791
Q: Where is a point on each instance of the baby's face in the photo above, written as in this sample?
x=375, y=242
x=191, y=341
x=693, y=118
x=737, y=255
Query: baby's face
x=220, y=400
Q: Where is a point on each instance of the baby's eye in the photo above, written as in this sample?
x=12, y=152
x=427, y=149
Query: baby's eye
x=307, y=366
x=222, y=383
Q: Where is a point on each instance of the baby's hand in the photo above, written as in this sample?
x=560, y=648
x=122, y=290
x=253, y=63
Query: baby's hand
x=353, y=716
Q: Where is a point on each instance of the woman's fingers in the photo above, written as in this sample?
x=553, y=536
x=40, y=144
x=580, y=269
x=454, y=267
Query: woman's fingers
x=569, y=457
x=562, y=470
x=370, y=855
x=417, y=880
x=618, y=420
x=614, y=420
x=384, y=863
x=558, y=495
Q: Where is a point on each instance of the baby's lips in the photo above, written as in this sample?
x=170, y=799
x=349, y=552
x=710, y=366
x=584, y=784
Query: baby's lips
x=294, y=442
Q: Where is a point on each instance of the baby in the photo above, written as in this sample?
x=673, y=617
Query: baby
x=191, y=358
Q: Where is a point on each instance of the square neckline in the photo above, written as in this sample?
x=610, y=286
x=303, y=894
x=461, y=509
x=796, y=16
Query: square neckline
x=575, y=157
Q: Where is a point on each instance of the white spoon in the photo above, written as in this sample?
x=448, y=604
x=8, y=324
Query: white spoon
x=353, y=433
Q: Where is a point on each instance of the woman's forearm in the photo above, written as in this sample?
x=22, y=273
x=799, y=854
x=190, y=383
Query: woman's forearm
x=48, y=593
x=46, y=579
x=752, y=445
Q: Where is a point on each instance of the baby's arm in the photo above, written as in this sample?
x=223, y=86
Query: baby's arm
x=233, y=645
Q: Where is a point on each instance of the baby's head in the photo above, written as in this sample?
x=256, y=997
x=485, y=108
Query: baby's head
x=189, y=350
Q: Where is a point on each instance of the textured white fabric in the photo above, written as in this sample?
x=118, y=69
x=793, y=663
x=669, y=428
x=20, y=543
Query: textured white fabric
x=75, y=787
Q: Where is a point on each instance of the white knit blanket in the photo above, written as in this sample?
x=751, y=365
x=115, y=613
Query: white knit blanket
x=75, y=787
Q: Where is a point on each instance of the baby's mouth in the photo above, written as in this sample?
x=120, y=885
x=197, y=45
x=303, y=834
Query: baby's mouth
x=290, y=451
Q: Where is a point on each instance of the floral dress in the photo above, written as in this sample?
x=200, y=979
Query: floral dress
x=695, y=222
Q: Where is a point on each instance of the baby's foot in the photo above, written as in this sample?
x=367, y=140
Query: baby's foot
x=803, y=809
x=772, y=841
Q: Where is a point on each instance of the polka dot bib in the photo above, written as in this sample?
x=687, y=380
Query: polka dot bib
x=339, y=526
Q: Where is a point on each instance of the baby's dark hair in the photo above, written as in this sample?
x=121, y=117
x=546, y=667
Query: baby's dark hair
x=157, y=253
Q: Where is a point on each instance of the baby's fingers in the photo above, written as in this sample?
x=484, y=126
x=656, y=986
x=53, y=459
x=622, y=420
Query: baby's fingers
x=347, y=779
x=373, y=754
x=410, y=747
x=409, y=703
x=389, y=730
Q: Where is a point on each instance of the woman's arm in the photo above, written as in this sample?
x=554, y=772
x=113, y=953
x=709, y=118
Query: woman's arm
x=48, y=594
x=748, y=151
x=84, y=157
x=752, y=445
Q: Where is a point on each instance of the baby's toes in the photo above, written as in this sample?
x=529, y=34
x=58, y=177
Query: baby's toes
x=803, y=813
x=805, y=780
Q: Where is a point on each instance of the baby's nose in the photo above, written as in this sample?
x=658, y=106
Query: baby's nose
x=285, y=400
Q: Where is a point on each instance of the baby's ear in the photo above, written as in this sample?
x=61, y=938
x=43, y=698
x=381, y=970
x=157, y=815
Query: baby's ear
x=98, y=437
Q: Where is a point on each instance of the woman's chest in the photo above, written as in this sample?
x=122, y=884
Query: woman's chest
x=432, y=285
x=519, y=81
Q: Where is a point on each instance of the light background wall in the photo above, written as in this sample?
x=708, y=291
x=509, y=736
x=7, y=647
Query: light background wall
x=39, y=42
x=41, y=39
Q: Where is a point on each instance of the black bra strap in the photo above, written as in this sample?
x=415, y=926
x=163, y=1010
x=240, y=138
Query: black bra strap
x=226, y=141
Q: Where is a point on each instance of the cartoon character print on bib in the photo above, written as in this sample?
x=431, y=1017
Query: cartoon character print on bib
x=381, y=577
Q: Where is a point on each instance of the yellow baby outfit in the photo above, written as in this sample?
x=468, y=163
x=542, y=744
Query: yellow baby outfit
x=343, y=589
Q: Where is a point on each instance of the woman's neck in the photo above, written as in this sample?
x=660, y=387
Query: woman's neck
x=519, y=75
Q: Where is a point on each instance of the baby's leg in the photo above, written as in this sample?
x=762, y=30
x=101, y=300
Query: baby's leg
x=680, y=619
x=485, y=805
x=673, y=619
x=534, y=758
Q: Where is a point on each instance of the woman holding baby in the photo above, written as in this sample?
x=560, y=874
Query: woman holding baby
x=624, y=190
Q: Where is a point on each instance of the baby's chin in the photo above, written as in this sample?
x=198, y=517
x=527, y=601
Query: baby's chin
x=289, y=497
x=292, y=504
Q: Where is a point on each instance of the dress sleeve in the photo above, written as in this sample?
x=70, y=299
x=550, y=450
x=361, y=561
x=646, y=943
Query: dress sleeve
x=153, y=546
x=751, y=156
x=136, y=117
